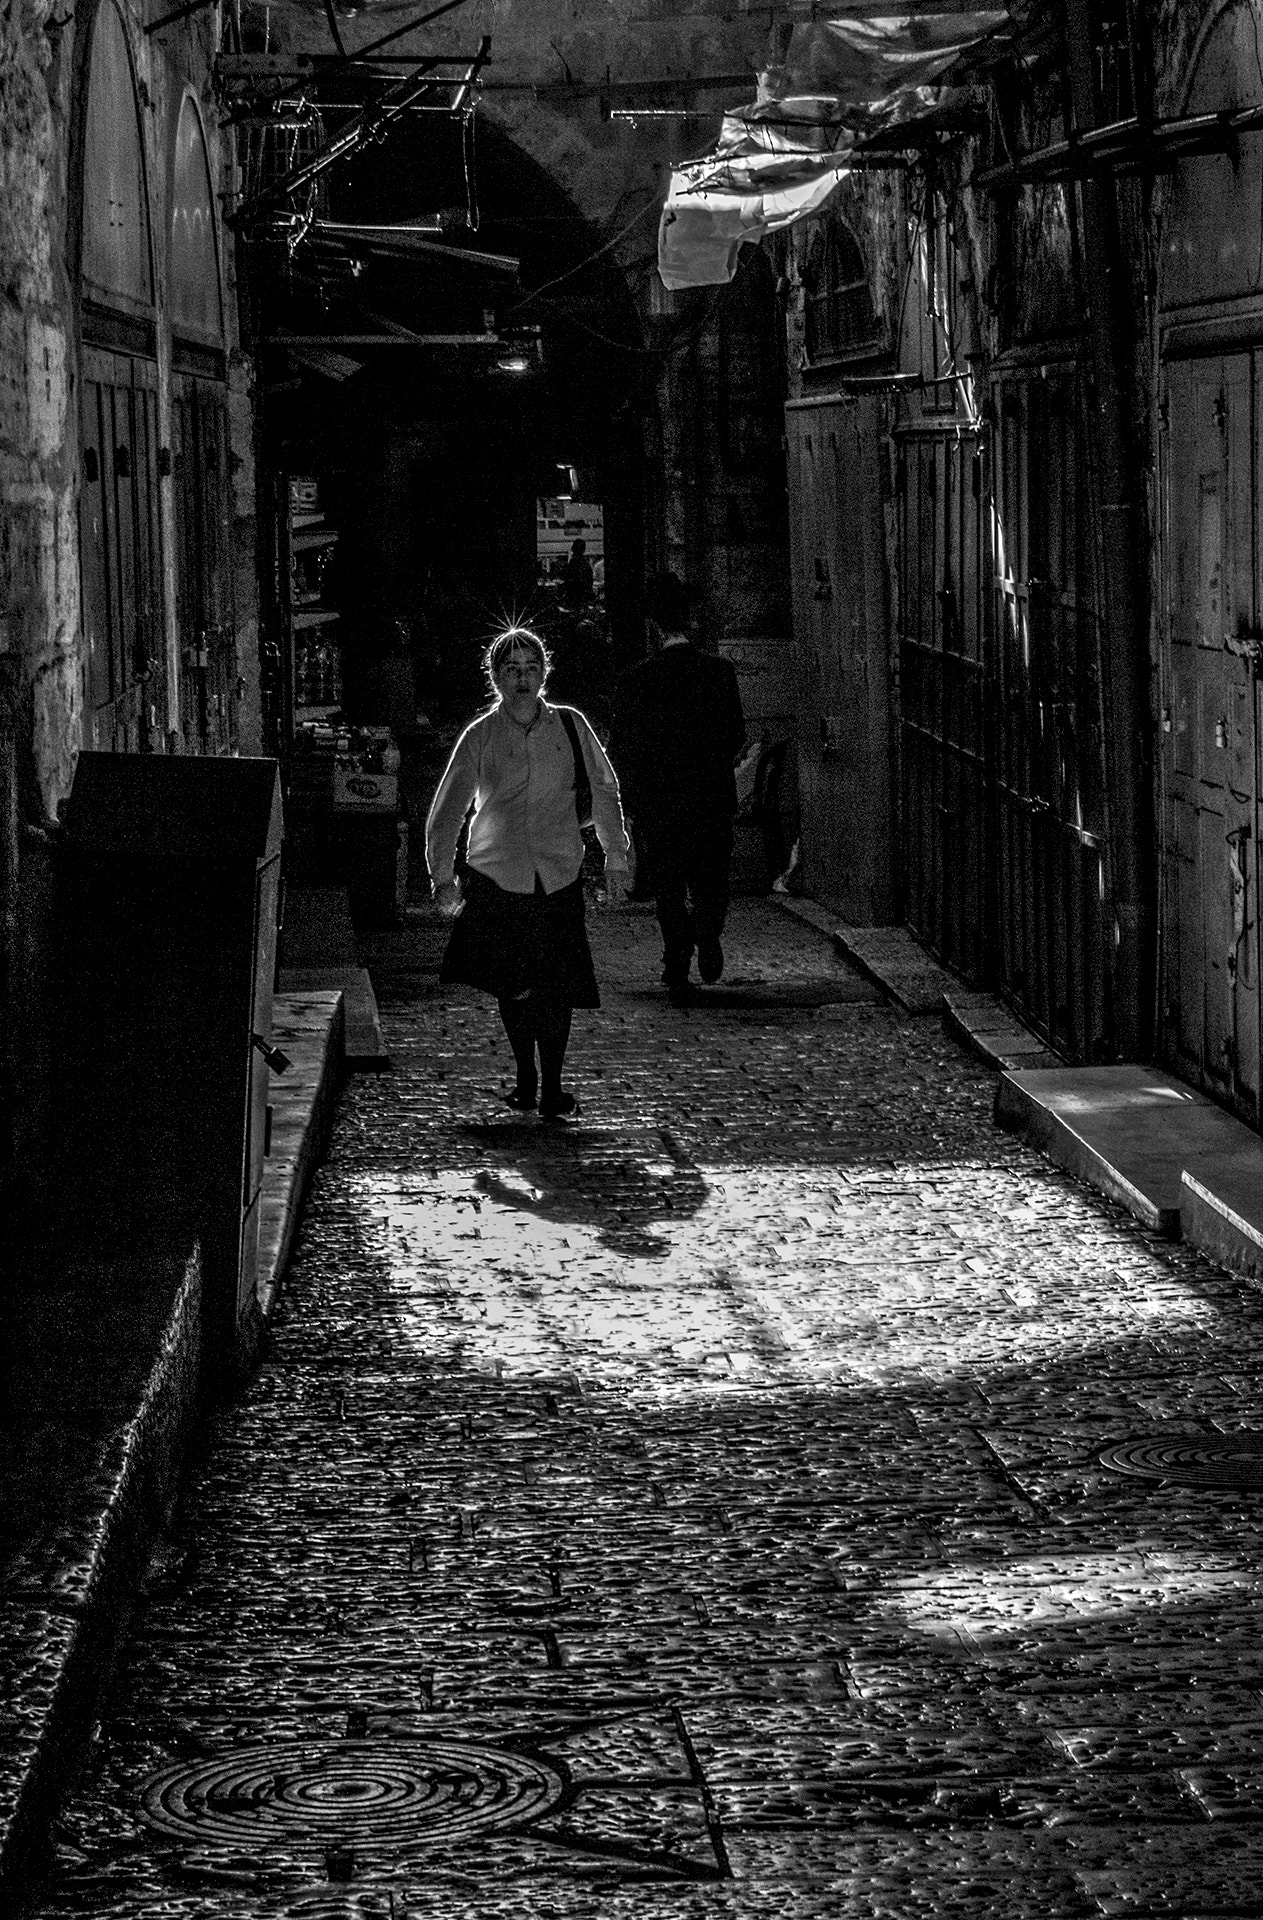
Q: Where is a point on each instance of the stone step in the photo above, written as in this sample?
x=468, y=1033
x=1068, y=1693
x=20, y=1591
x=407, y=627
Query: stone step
x=1174, y=1159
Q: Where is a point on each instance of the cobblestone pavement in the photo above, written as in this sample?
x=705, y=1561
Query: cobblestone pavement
x=701, y=1509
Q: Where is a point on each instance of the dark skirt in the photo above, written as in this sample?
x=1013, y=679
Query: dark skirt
x=509, y=943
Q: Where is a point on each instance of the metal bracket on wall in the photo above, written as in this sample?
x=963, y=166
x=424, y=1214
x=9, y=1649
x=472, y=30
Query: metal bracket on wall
x=279, y=1062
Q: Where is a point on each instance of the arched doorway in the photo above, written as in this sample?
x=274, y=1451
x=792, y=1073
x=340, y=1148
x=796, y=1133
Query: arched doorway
x=1210, y=705
x=119, y=526
x=205, y=613
x=425, y=399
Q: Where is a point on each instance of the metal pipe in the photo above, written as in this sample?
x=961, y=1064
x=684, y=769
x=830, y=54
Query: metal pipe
x=367, y=125
x=476, y=65
x=349, y=60
x=1128, y=747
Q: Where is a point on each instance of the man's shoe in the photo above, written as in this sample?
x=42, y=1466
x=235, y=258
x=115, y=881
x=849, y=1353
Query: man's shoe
x=557, y=1106
x=710, y=960
x=522, y=1099
x=679, y=993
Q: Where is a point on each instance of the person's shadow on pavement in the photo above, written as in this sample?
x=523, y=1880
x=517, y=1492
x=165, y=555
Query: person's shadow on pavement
x=616, y=1187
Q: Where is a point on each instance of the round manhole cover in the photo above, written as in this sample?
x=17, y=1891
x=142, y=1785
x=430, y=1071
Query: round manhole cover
x=1192, y=1460
x=365, y=1792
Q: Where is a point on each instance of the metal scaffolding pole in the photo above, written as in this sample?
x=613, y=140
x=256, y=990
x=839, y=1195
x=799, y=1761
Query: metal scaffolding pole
x=1128, y=742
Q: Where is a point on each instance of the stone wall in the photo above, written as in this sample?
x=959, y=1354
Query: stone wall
x=43, y=52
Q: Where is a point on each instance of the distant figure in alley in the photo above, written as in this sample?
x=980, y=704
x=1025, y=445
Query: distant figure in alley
x=579, y=580
x=678, y=727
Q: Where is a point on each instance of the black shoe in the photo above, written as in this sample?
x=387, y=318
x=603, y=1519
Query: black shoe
x=557, y=1106
x=521, y=1099
x=710, y=960
x=680, y=993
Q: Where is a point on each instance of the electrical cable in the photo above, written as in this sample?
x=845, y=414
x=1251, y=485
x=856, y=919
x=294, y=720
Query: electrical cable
x=683, y=339
x=335, y=29
x=570, y=272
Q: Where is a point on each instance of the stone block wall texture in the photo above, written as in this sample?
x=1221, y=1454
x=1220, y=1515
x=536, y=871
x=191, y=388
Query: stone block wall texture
x=43, y=52
x=38, y=571
x=41, y=58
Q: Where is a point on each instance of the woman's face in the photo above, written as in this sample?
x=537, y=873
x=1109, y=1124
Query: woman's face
x=520, y=678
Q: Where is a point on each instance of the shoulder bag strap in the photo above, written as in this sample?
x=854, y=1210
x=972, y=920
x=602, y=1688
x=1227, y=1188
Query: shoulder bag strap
x=582, y=782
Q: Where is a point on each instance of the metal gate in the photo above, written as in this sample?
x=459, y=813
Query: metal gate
x=943, y=620
x=1048, y=786
x=1210, y=726
x=840, y=626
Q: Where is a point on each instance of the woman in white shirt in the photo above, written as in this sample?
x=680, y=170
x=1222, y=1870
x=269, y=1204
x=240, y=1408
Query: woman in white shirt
x=520, y=933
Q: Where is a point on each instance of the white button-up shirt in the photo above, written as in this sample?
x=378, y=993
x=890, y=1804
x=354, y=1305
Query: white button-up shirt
x=520, y=782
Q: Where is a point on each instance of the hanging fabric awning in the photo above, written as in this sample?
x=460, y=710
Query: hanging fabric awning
x=779, y=159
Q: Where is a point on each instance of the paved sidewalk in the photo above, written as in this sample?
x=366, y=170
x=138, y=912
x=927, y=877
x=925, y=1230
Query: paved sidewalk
x=703, y=1509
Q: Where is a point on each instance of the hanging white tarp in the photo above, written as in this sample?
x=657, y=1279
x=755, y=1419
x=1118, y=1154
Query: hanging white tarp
x=779, y=159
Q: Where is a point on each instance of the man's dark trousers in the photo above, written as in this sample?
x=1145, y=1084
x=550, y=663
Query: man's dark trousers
x=678, y=726
x=689, y=866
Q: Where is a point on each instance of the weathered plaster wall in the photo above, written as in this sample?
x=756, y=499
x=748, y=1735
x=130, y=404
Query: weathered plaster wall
x=41, y=664
x=39, y=454
x=38, y=571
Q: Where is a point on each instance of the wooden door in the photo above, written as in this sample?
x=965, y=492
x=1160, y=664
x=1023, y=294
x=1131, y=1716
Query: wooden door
x=1209, y=739
x=1052, y=949
x=120, y=553
x=944, y=667
x=840, y=626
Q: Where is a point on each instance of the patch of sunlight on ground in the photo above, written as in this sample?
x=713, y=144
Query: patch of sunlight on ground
x=727, y=1278
x=995, y=1601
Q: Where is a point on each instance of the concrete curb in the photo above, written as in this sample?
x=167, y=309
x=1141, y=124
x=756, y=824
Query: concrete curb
x=1176, y=1160
x=1223, y=1234
x=311, y=1029
x=1067, y=1148
x=892, y=960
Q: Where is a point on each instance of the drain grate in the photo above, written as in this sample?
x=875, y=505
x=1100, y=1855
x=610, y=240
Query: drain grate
x=358, y=1792
x=1187, y=1460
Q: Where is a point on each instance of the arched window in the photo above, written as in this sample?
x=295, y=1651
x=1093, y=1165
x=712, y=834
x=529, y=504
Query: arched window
x=119, y=538
x=205, y=623
x=197, y=308
x=839, y=313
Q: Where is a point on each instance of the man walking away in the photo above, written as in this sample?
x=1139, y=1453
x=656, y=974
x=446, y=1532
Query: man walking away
x=578, y=576
x=678, y=727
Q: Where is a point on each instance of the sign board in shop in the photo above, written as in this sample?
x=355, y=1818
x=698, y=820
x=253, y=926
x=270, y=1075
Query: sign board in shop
x=356, y=789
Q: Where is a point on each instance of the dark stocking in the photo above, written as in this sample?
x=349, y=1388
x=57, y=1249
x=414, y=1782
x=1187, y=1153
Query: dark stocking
x=552, y=1031
x=519, y=1023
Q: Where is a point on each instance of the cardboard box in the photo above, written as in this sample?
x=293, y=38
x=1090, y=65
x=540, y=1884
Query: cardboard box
x=357, y=791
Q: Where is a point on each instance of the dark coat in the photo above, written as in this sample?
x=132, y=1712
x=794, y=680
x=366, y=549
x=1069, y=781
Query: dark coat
x=678, y=727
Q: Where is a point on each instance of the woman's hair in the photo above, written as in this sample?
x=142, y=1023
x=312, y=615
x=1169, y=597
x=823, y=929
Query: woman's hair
x=502, y=646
